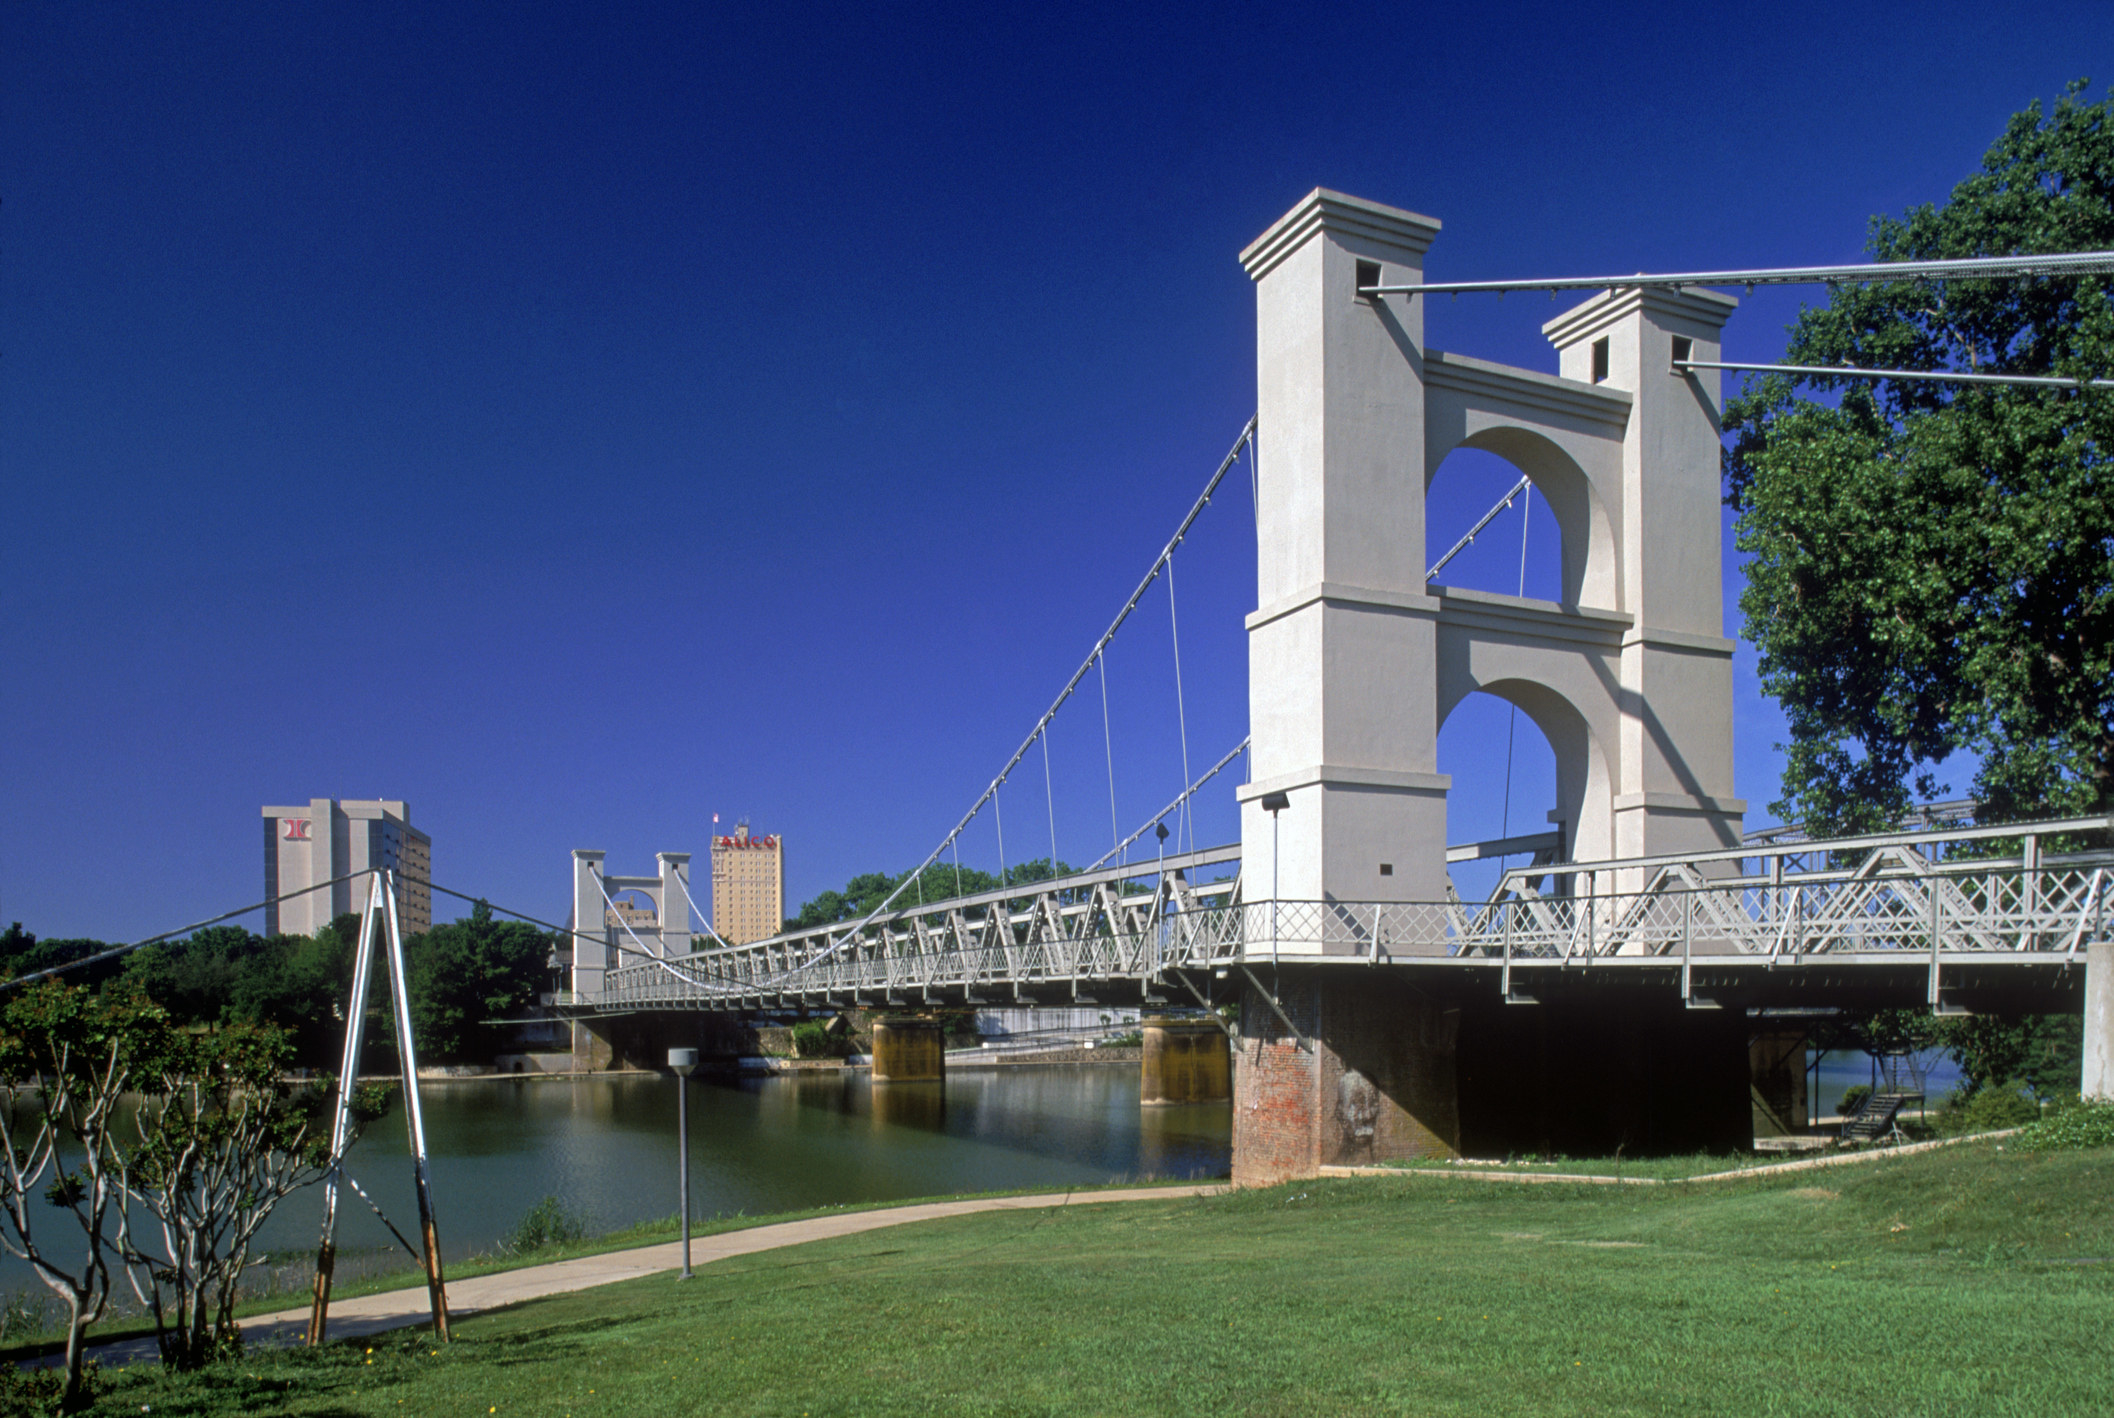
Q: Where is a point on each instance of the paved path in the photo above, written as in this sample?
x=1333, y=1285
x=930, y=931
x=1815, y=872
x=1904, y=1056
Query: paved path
x=1602, y=1179
x=397, y=1309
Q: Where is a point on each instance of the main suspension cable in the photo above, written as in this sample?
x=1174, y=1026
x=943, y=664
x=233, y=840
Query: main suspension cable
x=1965, y=268
x=1108, y=744
x=989, y=795
x=1181, y=709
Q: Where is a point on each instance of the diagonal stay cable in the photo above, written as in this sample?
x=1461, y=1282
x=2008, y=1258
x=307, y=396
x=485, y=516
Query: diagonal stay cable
x=1160, y=816
x=116, y=950
x=337, y=1169
x=1247, y=435
x=569, y=932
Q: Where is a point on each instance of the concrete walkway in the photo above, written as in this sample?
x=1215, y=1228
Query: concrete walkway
x=398, y=1309
x=1741, y=1174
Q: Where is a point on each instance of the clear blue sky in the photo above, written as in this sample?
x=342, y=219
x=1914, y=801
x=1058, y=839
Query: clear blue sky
x=577, y=420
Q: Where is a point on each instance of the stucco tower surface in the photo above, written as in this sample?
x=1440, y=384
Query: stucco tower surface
x=1343, y=628
x=908, y=1051
x=2099, y=1020
x=1355, y=661
x=1184, y=1061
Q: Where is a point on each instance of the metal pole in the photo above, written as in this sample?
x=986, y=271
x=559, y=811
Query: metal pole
x=414, y=1113
x=682, y=1061
x=341, y=1117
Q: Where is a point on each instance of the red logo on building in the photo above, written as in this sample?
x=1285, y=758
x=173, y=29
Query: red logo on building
x=296, y=829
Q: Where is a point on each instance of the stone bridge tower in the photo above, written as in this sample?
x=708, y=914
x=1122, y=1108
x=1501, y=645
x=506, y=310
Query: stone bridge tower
x=1355, y=662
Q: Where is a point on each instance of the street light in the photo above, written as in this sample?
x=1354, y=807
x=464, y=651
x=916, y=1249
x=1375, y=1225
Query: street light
x=1273, y=804
x=683, y=1061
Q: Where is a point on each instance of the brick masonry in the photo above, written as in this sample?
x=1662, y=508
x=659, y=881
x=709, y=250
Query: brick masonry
x=1373, y=1080
x=1391, y=1070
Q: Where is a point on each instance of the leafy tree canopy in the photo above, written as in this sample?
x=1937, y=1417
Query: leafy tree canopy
x=471, y=971
x=1932, y=566
x=862, y=894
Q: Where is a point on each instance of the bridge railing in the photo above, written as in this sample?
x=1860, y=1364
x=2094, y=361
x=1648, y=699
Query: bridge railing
x=1961, y=906
x=1869, y=898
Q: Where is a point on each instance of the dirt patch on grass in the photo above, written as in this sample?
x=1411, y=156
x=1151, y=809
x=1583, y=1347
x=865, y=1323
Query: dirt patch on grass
x=1815, y=1193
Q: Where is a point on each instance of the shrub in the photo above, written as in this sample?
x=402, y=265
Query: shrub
x=1852, y=1099
x=548, y=1223
x=2069, y=1127
x=42, y=1390
x=811, y=1039
x=1994, y=1105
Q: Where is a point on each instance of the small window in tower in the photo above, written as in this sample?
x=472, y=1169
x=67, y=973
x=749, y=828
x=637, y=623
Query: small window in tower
x=1684, y=351
x=1387, y=868
x=1600, y=360
x=1368, y=277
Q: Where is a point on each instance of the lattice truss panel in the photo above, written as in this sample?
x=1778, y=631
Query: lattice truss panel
x=1963, y=892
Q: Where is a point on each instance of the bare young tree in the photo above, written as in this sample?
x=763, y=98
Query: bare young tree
x=222, y=1138
x=67, y=1057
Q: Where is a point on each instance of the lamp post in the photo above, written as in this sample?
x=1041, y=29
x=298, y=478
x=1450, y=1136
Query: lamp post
x=1273, y=804
x=683, y=1061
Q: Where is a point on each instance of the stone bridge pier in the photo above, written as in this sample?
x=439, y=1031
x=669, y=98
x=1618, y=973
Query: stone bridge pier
x=1367, y=1068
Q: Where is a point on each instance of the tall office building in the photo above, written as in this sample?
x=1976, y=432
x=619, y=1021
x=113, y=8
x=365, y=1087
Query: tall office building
x=748, y=886
x=305, y=846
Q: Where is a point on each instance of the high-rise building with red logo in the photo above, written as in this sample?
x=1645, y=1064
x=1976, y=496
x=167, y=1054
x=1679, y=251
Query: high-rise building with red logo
x=748, y=886
x=307, y=846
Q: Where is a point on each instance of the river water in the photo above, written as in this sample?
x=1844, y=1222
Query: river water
x=605, y=1148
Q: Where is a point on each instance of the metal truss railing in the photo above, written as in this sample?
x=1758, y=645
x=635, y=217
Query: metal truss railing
x=1990, y=893
x=1028, y=942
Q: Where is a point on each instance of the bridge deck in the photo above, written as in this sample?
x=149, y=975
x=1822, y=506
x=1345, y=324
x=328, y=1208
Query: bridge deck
x=1960, y=908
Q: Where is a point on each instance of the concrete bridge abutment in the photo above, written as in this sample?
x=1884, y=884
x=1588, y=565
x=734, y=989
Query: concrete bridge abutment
x=1345, y=1068
x=1184, y=1061
x=1362, y=1068
x=909, y=1050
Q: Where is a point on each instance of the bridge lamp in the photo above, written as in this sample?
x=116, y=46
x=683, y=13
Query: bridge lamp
x=1273, y=804
x=684, y=1062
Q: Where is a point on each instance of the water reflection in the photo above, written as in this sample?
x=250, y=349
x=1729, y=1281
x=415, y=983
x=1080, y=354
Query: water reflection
x=605, y=1147
x=910, y=1105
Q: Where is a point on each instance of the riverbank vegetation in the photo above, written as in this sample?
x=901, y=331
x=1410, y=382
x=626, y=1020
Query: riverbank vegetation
x=1967, y=1279
x=462, y=974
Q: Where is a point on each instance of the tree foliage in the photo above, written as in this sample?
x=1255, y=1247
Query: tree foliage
x=67, y=1058
x=1932, y=565
x=220, y=1139
x=471, y=971
x=938, y=882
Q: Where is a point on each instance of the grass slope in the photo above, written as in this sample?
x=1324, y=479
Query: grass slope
x=1969, y=1280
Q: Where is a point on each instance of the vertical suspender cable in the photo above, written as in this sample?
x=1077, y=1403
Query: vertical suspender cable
x=990, y=794
x=1255, y=485
x=1049, y=797
x=1181, y=710
x=998, y=817
x=1108, y=743
x=1505, y=825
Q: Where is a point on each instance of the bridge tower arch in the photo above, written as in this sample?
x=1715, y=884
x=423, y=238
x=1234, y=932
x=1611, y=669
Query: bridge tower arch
x=1354, y=660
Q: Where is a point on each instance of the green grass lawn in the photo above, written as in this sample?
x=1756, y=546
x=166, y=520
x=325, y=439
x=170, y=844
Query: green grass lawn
x=1970, y=1280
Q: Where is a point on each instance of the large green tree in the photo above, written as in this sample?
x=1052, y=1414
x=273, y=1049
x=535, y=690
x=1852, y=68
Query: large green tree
x=471, y=971
x=1932, y=566
x=864, y=893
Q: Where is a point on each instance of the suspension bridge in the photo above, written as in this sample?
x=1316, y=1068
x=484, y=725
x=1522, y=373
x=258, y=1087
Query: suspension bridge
x=1626, y=983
